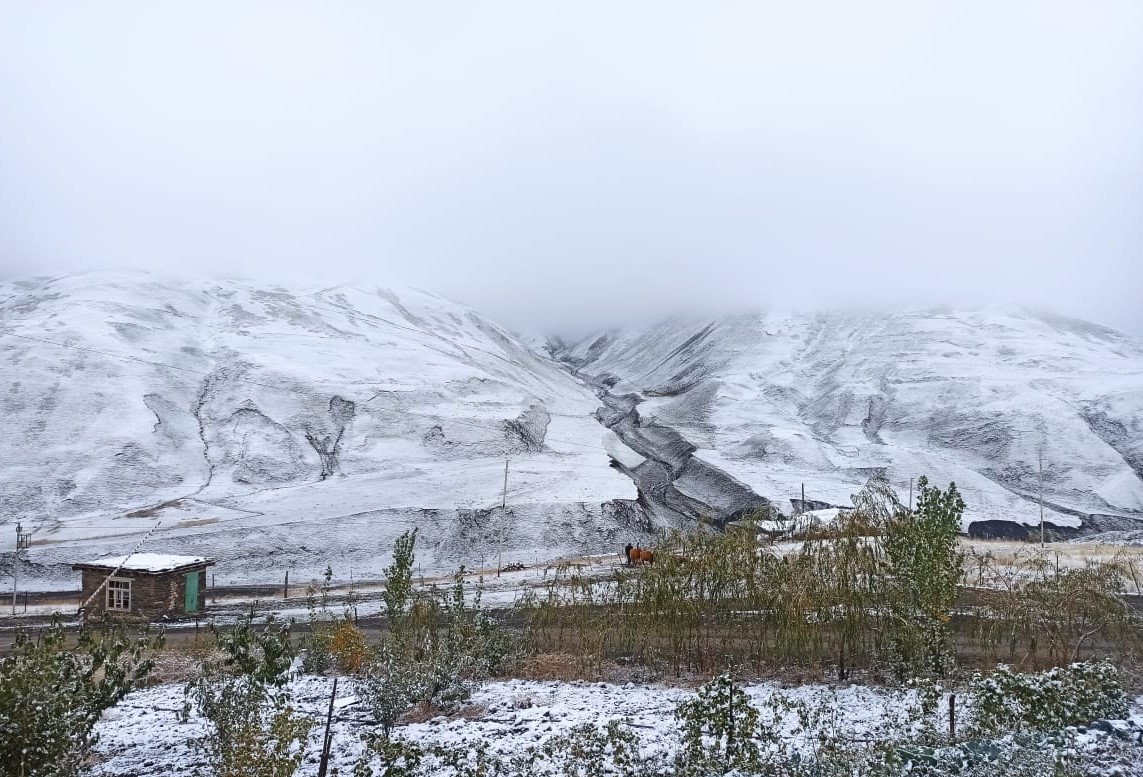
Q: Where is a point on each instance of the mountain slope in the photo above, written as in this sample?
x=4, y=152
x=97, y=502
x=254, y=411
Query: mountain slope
x=252, y=421
x=780, y=400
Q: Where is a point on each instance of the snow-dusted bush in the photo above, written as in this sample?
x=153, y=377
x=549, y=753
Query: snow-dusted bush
x=457, y=646
x=397, y=757
x=719, y=731
x=332, y=641
x=588, y=751
x=1048, y=701
x=254, y=730
x=438, y=649
x=52, y=694
x=389, y=684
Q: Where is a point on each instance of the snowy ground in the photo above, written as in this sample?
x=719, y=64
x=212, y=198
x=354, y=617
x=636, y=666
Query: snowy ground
x=143, y=734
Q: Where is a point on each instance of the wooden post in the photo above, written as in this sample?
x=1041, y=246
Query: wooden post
x=327, y=740
x=952, y=717
x=286, y=586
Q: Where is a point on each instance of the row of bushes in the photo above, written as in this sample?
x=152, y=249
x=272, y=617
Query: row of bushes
x=882, y=590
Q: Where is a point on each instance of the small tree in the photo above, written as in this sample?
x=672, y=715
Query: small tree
x=926, y=570
x=458, y=656
x=53, y=694
x=390, y=683
x=438, y=649
x=399, y=580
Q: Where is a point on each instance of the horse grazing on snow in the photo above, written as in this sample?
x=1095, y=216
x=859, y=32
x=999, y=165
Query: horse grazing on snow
x=636, y=555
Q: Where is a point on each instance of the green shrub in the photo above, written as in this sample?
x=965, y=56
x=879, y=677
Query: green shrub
x=254, y=730
x=439, y=647
x=53, y=694
x=719, y=731
x=587, y=751
x=1075, y=695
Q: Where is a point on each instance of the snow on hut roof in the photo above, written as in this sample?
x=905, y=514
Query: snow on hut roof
x=148, y=562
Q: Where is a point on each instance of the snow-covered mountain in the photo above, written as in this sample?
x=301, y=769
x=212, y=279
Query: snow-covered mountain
x=776, y=401
x=279, y=429
x=273, y=428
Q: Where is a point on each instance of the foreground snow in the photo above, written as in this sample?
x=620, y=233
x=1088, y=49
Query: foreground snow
x=143, y=735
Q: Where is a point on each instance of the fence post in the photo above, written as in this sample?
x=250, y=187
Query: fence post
x=327, y=740
x=286, y=586
x=952, y=716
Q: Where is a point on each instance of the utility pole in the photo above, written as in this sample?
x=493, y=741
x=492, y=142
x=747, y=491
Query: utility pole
x=910, y=495
x=1041, y=458
x=22, y=541
x=803, y=505
x=16, y=569
x=503, y=510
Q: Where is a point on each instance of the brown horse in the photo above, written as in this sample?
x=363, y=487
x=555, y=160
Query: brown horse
x=636, y=555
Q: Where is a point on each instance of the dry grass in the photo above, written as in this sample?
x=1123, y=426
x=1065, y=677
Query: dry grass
x=552, y=666
x=1016, y=559
x=183, y=662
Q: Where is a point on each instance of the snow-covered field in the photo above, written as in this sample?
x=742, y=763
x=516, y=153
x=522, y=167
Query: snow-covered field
x=143, y=735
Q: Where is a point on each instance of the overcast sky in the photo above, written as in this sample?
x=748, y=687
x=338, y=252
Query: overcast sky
x=571, y=164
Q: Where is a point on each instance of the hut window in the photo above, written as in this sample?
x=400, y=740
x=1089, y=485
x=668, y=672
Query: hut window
x=118, y=594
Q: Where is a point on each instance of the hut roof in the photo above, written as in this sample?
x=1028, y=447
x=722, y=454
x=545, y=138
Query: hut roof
x=146, y=562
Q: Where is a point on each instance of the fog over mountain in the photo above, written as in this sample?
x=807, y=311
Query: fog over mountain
x=278, y=427
x=565, y=167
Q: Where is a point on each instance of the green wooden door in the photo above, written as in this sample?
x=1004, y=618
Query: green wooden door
x=192, y=592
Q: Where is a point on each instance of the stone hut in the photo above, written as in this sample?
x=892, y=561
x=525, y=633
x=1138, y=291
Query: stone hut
x=144, y=585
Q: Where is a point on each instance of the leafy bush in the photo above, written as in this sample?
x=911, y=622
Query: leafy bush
x=348, y=647
x=254, y=730
x=397, y=757
x=438, y=649
x=1047, y=701
x=52, y=694
x=588, y=751
x=719, y=729
x=456, y=646
x=390, y=683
